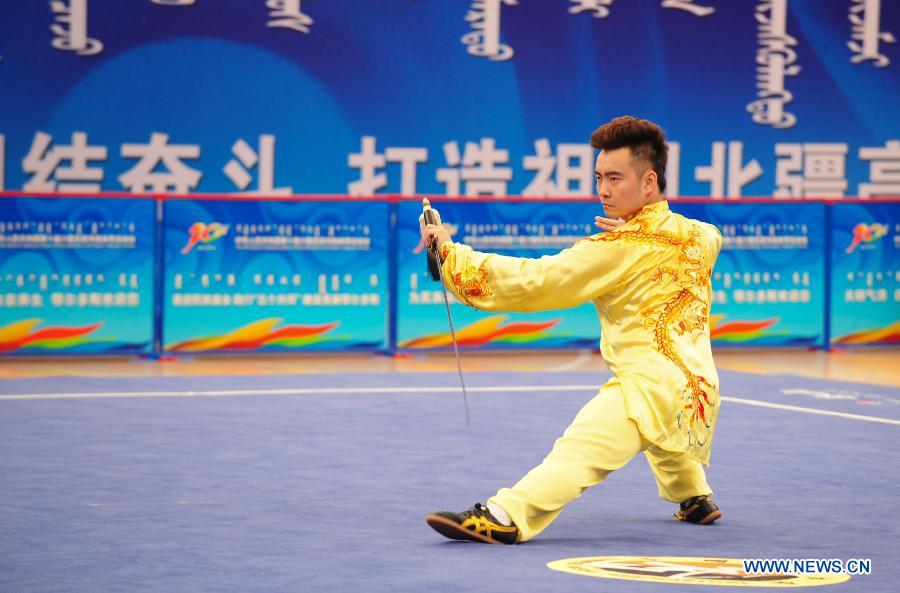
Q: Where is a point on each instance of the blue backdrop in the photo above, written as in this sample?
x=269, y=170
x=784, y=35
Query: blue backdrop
x=261, y=276
x=519, y=229
x=77, y=276
x=792, y=98
x=795, y=97
x=115, y=275
x=865, y=279
x=769, y=281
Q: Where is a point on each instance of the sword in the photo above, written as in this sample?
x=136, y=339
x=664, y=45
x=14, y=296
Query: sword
x=431, y=216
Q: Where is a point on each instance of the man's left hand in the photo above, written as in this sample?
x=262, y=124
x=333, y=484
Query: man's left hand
x=608, y=224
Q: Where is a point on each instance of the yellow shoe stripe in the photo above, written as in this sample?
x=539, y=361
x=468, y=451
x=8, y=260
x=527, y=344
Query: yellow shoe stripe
x=482, y=526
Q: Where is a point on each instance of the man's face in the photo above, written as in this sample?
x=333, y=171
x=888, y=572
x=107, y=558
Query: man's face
x=618, y=183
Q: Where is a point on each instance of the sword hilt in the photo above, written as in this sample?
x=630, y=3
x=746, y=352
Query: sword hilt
x=431, y=216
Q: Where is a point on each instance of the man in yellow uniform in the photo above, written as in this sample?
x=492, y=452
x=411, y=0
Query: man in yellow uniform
x=649, y=278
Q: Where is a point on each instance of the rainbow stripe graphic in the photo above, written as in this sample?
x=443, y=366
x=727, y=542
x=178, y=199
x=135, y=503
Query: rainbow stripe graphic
x=23, y=335
x=491, y=331
x=264, y=335
x=739, y=331
x=883, y=335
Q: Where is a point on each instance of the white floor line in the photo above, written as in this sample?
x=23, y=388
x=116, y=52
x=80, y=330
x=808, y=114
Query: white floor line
x=295, y=391
x=762, y=404
x=376, y=390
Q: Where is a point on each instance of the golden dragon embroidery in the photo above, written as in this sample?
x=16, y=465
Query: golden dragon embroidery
x=679, y=314
x=471, y=282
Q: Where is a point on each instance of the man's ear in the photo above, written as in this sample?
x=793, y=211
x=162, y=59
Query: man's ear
x=649, y=182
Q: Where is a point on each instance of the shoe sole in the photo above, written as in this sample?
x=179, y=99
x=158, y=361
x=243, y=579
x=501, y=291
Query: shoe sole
x=710, y=518
x=704, y=521
x=452, y=530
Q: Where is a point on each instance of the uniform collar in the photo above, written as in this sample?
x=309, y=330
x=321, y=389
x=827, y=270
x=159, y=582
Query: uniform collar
x=654, y=209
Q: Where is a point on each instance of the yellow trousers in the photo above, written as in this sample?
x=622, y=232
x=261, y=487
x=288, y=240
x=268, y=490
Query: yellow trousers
x=600, y=440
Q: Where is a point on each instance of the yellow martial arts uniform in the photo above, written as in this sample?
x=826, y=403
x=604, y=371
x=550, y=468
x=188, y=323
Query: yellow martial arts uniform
x=650, y=282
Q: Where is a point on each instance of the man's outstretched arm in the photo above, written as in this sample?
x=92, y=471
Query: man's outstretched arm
x=493, y=282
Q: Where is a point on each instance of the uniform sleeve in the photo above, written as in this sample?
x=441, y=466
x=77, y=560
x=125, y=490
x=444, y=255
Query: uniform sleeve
x=492, y=282
x=715, y=239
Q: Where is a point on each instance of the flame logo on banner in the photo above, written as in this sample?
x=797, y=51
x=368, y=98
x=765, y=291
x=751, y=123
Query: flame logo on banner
x=200, y=232
x=866, y=234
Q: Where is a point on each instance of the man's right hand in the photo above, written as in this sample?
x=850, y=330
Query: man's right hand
x=434, y=234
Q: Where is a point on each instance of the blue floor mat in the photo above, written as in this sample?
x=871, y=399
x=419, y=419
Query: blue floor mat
x=328, y=491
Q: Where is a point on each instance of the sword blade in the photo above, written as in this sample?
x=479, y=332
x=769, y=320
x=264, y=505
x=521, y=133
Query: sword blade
x=462, y=381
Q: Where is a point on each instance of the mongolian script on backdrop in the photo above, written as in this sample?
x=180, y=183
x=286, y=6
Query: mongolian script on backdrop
x=775, y=60
x=866, y=32
x=70, y=28
x=484, y=39
x=287, y=14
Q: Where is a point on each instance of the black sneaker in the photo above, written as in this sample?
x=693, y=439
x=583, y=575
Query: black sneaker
x=475, y=525
x=699, y=509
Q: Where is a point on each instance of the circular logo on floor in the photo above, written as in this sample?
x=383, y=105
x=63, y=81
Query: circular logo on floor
x=727, y=572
